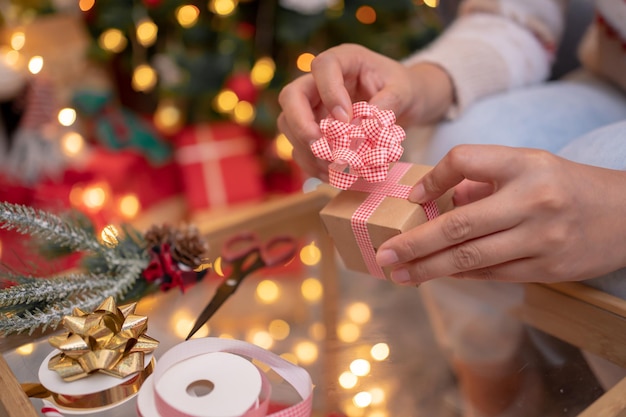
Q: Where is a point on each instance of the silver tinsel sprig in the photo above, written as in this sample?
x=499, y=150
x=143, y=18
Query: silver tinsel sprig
x=28, y=303
x=46, y=226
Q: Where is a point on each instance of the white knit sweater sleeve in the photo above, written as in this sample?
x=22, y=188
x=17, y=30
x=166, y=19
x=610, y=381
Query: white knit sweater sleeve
x=496, y=45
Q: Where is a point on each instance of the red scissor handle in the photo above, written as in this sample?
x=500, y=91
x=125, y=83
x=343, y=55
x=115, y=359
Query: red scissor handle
x=276, y=250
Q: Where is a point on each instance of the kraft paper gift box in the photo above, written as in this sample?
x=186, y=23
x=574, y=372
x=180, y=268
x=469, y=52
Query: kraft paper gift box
x=389, y=216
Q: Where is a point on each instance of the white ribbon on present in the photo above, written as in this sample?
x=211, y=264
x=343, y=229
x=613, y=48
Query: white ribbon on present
x=208, y=153
x=156, y=400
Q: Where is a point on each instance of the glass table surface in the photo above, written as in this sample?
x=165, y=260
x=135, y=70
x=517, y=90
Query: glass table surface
x=373, y=349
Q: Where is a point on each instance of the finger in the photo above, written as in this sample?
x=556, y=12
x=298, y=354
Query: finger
x=520, y=270
x=312, y=166
x=466, y=259
x=469, y=191
x=298, y=101
x=330, y=70
x=464, y=223
x=490, y=164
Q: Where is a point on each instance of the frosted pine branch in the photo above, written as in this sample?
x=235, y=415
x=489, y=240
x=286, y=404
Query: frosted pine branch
x=46, y=226
x=51, y=316
x=38, y=290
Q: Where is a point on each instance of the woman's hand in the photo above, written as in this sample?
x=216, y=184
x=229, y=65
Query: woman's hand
x=522, y=215
x=349, y=73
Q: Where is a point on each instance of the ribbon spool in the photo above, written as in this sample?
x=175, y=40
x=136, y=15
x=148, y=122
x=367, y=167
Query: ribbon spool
x=97, y=393
x=234, y=387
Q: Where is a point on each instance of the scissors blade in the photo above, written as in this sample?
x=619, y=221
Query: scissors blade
x=222, y=294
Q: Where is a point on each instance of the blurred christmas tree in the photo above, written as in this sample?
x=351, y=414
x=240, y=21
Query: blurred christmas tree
x=146, y=75
x=113, y=106
x=182, y=60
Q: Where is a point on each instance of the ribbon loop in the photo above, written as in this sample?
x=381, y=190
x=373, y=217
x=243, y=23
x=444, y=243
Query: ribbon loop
x=363, y=148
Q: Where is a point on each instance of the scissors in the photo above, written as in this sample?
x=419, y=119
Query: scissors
x=246, y=254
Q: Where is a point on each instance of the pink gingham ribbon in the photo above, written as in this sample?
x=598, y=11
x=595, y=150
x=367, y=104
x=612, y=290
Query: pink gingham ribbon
x=294, y=375
x=363, y=148
x=377, y=193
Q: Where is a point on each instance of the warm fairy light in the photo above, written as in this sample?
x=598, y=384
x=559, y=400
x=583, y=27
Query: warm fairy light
x=18, y=39
x=86, y=5
x=431, y=3
x=310, y=254
x=109, y=235
x=226, y=336
x=262, y=339
x=304, y=62
x=144, y=78
x=187, y=15
x=67, y=116
x=378, y=395
x=112, y=40
x=182, y=322
x=306, y=352
x=335, y=9
x=94, y=196
x=263, y=71
x=362, y=399
x=317, y=331
x=359, y=312
x=76, y=195
x=349, y=409
x=289, y=357
x=366, y=15
x=380, y=351
x=348, y=380
x=279, y=329
x=35, y=64
x=244, y=112
x=360, y=367
x=348, y=332
x=72, y=143
x=26, y=349
x=378, y=413
x=168, y=118
x=147, y=32
x=312, y=289
x=222, y=7
x=267, y=291
x=12, y=58
x=225, y=101
x=284, y=148
x=129, y=206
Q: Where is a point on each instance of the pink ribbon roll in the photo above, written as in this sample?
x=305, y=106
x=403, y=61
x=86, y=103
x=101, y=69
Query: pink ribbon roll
x=151, y=402
x=363, y=148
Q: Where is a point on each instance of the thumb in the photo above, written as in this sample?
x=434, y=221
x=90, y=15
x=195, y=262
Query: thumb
x=388, y=99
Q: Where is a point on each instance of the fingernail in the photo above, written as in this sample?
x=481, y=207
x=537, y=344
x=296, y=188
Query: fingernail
x=386, y=257
x=418, y=193
x=340, y=114
x=400, y=276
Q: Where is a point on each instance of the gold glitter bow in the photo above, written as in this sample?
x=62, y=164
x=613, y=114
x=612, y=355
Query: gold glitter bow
x=110, y=340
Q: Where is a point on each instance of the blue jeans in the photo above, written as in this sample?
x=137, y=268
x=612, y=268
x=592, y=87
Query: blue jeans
x=579, y=118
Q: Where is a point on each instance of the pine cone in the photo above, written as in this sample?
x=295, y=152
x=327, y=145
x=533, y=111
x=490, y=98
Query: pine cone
x=189, y=248
x=157, y=235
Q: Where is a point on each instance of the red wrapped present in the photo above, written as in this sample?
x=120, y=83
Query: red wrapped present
x=219, y=165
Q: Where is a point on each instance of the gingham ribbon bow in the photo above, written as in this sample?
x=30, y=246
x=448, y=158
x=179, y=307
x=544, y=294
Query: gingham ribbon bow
x=363, y=148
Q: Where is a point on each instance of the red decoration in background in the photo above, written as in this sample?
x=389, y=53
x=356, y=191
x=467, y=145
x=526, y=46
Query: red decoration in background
x=124, y=172
x=241, y=84
x=152, y=3
x=219, y=165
